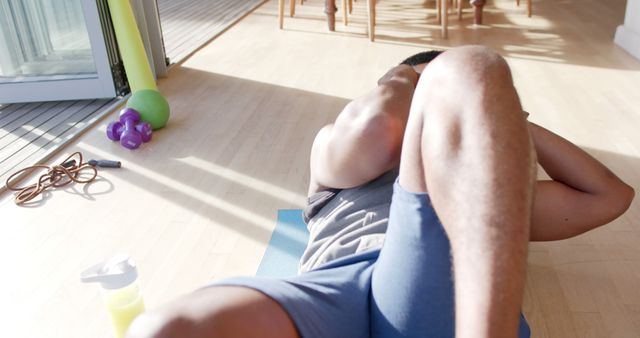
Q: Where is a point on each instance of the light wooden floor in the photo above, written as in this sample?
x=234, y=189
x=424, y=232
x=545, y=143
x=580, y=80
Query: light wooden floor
x=199, y=202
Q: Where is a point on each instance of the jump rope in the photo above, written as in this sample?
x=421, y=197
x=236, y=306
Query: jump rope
x=57, y=176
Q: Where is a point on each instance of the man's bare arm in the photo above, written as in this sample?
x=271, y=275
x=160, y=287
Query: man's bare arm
x=366, y=138
x=582, y=195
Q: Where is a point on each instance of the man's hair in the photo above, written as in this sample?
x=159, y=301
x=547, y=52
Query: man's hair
x=420, y=58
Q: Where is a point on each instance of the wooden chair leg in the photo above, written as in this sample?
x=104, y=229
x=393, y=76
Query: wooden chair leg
x=371, y=8
x=460, y=9
x=518, y=3
x=281, y=13
x=345, y=21
x=330, y=10
x=350, y=6
x=292, y=8
x=445, y=19
x=529, y=8
x=439, y=11
x=375, y=13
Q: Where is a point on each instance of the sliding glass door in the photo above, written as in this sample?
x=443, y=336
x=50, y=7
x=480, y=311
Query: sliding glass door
x=55, y=50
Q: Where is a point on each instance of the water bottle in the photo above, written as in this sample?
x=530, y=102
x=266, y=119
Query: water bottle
x=121, y=294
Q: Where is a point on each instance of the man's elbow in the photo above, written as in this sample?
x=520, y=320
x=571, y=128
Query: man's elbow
x=628, y=194
x=621, y=198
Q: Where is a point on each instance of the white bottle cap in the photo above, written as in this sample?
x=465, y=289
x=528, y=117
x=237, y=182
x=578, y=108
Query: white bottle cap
x=114, y=273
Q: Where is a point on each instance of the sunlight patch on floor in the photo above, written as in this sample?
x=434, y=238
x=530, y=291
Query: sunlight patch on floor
x=520, y=20
x=245, y=180
x=212, y=201
x=37, y=131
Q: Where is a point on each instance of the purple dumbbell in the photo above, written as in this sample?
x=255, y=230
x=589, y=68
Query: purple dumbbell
x=145, y=130
x=129, y=130
x=124, y=130
x=130, y=137
x=114, y=130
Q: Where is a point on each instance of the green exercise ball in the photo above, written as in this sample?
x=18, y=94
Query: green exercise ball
x=152, y=106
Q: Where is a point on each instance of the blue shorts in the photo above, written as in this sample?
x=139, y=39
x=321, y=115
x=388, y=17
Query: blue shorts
x=403, y=290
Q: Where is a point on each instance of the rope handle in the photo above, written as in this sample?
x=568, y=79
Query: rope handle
x=57, y=176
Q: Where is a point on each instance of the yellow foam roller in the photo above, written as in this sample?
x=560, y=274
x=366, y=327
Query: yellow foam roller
x=136, y=64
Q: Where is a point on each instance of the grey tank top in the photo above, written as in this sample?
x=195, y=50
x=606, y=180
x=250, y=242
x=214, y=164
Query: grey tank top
x=345, y=222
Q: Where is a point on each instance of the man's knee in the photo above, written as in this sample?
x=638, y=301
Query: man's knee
x=217, y=312
x=461, y=92
x=464, y=84
x=161, y=324
x=184, y=320
x=466, y=73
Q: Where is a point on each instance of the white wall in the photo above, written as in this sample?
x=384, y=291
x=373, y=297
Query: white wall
x=628, y=35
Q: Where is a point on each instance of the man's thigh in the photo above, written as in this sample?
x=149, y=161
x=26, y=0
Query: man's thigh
x=412, y=293
x=331, y=301
x=412, y=289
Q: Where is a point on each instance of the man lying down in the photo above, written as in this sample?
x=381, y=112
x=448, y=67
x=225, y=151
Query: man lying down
x=439, y=163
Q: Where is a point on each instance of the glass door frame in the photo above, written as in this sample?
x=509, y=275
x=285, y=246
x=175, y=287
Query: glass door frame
x=101, y=86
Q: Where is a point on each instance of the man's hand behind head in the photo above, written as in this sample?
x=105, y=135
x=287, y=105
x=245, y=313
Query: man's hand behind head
x=419, y=67
x=419, y=61
x=397, y=72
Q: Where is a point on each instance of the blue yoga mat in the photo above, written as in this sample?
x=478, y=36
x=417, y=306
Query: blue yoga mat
x=286, y=246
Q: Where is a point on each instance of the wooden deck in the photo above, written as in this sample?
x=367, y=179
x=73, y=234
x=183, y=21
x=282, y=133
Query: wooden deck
x=189, y=24
x=30, y=132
